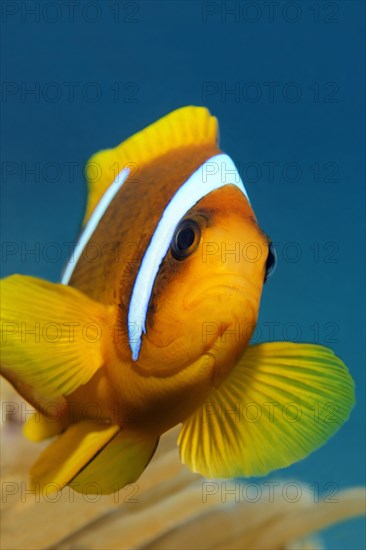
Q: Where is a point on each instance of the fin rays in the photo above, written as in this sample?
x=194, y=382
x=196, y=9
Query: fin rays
x=181, y=128
x=259, y=420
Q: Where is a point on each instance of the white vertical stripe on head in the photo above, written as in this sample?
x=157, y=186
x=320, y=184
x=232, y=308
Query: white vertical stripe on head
x=213, y=174
x=91, y=226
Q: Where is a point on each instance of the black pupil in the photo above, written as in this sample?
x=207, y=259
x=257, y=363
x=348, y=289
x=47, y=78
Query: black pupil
x=270, y=260
x=185, y=238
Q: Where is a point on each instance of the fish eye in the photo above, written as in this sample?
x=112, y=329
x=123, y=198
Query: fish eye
x=186, y=239
x=271, y=261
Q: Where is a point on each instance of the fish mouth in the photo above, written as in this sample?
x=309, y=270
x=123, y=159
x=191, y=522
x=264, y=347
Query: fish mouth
x=234, y=305
x=224, y=283
x=213, y=306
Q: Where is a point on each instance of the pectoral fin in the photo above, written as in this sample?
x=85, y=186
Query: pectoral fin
x=52, y=338
x=281, y=402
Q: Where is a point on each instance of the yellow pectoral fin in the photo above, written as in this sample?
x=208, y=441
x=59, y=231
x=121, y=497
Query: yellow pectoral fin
x=68, y=454
x=281, y=402
x=51, y=338
x=121, y=462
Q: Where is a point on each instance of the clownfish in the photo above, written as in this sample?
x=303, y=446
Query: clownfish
x=129, y=345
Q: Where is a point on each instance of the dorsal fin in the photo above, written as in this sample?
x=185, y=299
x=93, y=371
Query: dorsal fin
x=184, y=127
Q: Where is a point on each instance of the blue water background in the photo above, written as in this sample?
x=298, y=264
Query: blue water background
x=130, y=63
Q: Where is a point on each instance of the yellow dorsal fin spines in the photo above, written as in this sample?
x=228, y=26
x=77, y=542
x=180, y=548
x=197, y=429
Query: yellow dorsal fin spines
x=183, y=127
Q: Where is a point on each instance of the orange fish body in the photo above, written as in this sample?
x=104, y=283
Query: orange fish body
x=155, y=326
x=161, y=399
x=171, y=347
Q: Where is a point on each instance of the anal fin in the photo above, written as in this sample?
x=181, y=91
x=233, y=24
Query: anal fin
x=121, y=462
x=59, y=463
